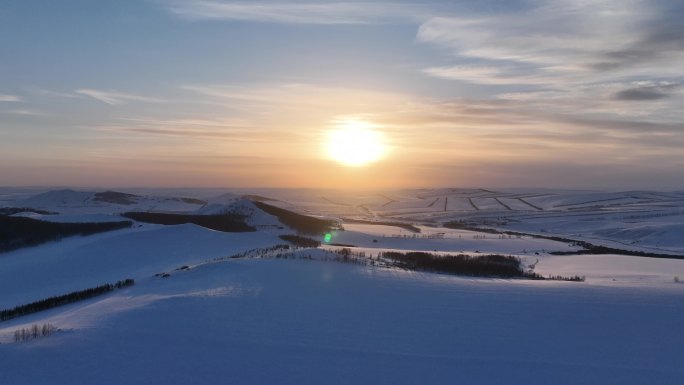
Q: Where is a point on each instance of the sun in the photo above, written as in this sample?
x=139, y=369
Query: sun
x=355, y=143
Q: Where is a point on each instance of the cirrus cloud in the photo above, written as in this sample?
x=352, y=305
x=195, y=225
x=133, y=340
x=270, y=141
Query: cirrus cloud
x=9, y=98
x=301, y=12
x=115, y=98
x=561, y=42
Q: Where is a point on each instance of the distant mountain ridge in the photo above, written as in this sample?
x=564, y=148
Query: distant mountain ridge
x=74, y=202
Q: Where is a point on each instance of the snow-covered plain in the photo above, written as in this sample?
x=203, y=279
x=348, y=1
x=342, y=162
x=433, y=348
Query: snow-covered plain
x=635, y=220
x=301, y=321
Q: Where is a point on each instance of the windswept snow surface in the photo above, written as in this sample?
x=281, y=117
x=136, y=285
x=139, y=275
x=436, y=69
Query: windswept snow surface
x=263, y=321
x=443, y=239
x=648, y=221
x=254, y=216
x=72, y=202
x=301, y=321
x=77, y=263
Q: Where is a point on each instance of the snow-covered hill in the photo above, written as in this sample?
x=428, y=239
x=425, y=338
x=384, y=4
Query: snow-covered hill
x=311, y=322
x=648, y=221
x=206, y=309
x=72, y=203
x=235, y=204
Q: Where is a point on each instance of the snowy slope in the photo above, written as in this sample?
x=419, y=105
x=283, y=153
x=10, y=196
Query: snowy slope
x=300, y=321
x=234, y=204
x=34, y=273
x=443, y=239
x=78, y=203
x=637, y=220
x=57, y=198
x=311, y=322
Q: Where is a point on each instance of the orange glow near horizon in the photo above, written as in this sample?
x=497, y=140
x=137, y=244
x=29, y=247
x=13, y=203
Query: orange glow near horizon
x=355, y=143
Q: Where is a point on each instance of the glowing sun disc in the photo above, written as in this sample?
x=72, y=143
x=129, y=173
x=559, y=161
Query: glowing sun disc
x=354, y=143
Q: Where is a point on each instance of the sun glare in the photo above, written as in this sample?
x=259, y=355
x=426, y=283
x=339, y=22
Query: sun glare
x=354, y=143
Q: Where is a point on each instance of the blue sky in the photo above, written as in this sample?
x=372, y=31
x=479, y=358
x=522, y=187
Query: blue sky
x=219, y=93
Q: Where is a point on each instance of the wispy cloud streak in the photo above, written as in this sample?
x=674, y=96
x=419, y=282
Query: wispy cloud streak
x=9, y=98
x=115, y=98
x=560, y=43
x=25, y=112
x=295, y=13
x=648, y=92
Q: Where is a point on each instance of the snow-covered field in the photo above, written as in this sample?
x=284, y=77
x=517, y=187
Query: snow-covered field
x=635, y=220
x=443, y=240
x=301, y=321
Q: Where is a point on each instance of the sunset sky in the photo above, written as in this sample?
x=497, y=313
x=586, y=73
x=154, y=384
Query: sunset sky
x=171, y=93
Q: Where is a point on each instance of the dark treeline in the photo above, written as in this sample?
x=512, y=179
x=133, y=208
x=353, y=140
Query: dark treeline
x=302, y=223
x=193, y=201
x=33, y=332
x=587, y=248
x=262, y=252
x=402, y=225
x=230, y=222
x=462, y=225
x=300, y=241
x=60, y=300
x=17, y=232
x=260, y=198
x=492, y=265
x=121, y=198
x=116, y=197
